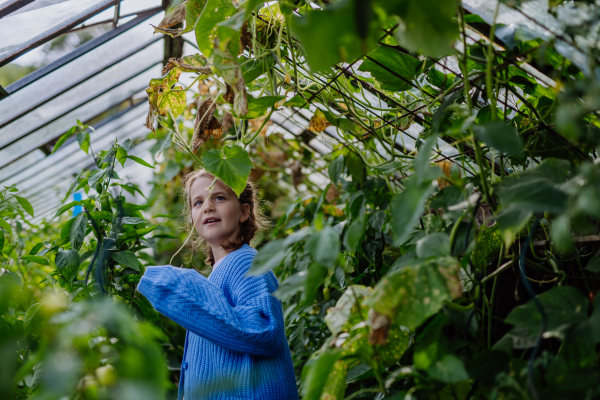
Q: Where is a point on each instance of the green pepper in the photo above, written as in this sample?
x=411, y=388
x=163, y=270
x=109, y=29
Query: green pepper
x=99, y=187
x=326, y=293
x=105, y=202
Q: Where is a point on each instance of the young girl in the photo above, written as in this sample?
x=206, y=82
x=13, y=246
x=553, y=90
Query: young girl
x=235, y=347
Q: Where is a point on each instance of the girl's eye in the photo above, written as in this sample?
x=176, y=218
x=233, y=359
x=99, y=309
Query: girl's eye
x=198, y=202
x=220, y=198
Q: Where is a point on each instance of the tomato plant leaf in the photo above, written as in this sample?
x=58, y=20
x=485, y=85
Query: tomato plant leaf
x=77, y=231
x=67, y=262
x=324, y=246
x=269, y=256
x=36, y=259
x=140, y=161
x=127, y=259
x=25, y=204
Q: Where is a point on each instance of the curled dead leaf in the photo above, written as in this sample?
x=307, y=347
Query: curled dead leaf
x=446, y=166
x=332, y=194
x=245, y=37
x=256, y=123
x=380, y=328
x=206, y=124
x=318, y=122
x=297, y=175
x=203, y=88
x=229, y=96
x=228, y=121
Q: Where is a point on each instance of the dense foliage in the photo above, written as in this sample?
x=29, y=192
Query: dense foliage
x=435, y=227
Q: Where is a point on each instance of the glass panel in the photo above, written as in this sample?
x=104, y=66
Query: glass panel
x=20, y=30
x=71, y=159
x=81, y=68
x=100, y=138
x=78, y=95
x=134, y=6
x=21, y=164
x=90, y=109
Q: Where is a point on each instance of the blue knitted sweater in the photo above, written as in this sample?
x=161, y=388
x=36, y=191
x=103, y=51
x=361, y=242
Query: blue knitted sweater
x=235, y=347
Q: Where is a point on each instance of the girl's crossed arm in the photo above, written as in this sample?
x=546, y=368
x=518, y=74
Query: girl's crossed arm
x=254, y=326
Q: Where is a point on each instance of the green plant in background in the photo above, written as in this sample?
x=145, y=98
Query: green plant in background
x=462, y=267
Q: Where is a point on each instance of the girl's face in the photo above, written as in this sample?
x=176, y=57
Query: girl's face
x=220, y=218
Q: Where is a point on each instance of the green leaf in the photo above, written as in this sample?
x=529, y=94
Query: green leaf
x=331, y=35
x=315, y=374
x=510, y=222
x=354, y=234
x=67, y=262
x=215, y=11
x=434, y=245
x=137, y=233
x=140, y=161
x=407, y=207
x=161, y=96
x=66, y=207
x=121, y=155
x=83, y=138
x=487, y=246
x=416, y=291
x=231, y=164
x=426, y=27
x=501, y=136
x=258, y=107
x=297, y=101
x=564, y=306
x=96, y=176
x=127, y=259
x=336, y=168
x=269, y=256
x=433, y=354
x=324, y=246
x=133, y=220
x=77, y=232
x=255, y=68
x=6, y=226
x=387, y=65
x=63, y=138
x=36, y=259
x=486, y=365
x=448, y=369
x=536, y=189
x=593, y=265
x=31, y=311
x=2, y=240
x=25, y=204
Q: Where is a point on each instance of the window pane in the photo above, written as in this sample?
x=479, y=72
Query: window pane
x=20, y=30
x=76, y=71
x=70, y=158
x=80, y=94
x=85, y=112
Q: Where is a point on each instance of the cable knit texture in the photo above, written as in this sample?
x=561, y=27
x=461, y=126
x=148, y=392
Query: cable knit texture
x=235, y=347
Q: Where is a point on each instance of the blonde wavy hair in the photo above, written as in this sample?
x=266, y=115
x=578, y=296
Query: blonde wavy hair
x=256, y=223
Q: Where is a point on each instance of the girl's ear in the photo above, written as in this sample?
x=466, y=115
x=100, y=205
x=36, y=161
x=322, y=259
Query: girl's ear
x=245, y=212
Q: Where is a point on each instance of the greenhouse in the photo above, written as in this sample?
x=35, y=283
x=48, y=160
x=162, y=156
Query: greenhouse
x=384, y=199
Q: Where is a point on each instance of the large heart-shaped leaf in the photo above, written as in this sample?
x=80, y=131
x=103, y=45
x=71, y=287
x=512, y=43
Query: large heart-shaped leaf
x=231, y=164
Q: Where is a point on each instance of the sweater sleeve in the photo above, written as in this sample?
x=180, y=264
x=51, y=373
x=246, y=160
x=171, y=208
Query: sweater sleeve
x=254, y=327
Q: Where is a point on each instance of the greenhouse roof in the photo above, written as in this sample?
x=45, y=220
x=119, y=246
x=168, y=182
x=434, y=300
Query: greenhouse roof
x=103, y=81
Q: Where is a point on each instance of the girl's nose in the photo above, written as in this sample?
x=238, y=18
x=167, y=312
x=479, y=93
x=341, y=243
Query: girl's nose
x=209, y=206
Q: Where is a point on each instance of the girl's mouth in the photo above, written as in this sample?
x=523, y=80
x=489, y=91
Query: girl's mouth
x=211, y=221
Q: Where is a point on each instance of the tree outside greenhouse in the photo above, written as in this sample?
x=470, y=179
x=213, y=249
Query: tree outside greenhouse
x=429, y=170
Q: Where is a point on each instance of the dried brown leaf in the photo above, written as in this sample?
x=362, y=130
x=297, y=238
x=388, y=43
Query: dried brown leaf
x=206, y=124
x=380, y=328
x=229, y=96
x=318, y=122
x=297, y=175
x=332, y=194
